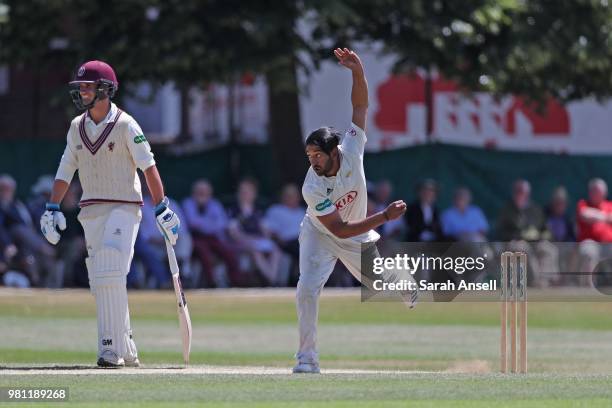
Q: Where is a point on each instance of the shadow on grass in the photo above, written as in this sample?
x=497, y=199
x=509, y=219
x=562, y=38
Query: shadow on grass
x=78, y=367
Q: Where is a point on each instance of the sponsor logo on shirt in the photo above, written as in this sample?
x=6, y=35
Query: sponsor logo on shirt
x=79, y=147
x=323, y=205
x=140, y=139
x=345, y=200
x=353, y=132
x=111, y=146
x=329, y=190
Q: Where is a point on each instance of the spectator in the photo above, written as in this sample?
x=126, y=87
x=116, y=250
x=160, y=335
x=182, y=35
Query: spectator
x=247, y=231
x=382, y=198
x=207, y=222
x=17, y=221
x=10, y=273
x=72, y=248
x=521, y=219
x=464, y=221
x=41, y=192
x=557, y=221
x=422, y=216
x=283, y=221
x=594, y=219
x=523, y=225
x=150, y=248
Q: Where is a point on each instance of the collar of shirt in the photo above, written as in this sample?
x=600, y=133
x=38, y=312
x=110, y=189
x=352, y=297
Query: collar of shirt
x=427, y=213
x=110, y=117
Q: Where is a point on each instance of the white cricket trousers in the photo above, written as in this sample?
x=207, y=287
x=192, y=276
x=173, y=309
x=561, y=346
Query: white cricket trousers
x=110, y=233
x=318, y=255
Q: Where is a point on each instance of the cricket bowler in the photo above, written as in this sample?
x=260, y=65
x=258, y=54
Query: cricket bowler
x=106, y=146
x=335, y=225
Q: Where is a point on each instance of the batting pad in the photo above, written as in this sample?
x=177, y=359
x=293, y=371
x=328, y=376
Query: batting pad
x=108, y=285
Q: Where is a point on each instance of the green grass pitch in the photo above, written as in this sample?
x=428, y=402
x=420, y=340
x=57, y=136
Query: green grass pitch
x=372, y=354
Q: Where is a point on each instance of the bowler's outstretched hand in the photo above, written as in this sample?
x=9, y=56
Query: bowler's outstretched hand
x=395, y=210
x=348, y=58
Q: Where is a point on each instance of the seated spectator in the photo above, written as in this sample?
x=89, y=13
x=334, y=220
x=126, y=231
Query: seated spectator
x=14, y=272
x=464, y=221
x=557, y=220
x=523, y=225
x=15, y=219
x=422, y=216
x=382, y=198
x=594, y=220
x=150, y=248
x=207, y=221
x=521, y=219
x=72, y=248
x=41, y=192
x=283, y=221
x=247, y=231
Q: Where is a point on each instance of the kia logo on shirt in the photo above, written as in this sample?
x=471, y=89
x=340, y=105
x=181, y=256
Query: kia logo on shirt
x=345, y=200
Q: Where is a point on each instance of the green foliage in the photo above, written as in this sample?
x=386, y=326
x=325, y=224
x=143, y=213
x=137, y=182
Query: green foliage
x=190, y=42
x=532, y=47
x=30, y=32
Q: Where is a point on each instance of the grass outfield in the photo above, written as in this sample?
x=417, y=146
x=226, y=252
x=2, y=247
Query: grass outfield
x=458, y=342
x=328, y=390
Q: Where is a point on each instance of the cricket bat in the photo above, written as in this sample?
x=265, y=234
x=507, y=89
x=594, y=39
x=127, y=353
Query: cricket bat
x=183, y=311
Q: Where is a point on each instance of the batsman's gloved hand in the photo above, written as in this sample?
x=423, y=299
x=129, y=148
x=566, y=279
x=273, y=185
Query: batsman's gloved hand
x=50, y=221
x=168, y=222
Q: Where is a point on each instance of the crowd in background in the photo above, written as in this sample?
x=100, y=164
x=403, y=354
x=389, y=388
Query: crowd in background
x=240, y=243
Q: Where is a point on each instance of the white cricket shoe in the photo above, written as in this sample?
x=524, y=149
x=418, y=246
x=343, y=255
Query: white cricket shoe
x=109, y=359
x=135, y=362
x=306, y=368
x=410, y=298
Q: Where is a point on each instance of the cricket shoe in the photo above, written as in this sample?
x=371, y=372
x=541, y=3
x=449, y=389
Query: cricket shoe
x=306, y=368
x=411, y=298
x=135, y=362
x=109, y=359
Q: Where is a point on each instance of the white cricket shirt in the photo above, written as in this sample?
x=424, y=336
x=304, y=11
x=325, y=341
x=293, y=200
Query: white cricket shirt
x=345, y=192
x=106, y=155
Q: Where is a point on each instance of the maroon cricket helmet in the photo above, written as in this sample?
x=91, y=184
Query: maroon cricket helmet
x=94, y=72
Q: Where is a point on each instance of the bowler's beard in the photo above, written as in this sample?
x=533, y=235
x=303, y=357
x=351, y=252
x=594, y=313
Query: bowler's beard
x=323, y=171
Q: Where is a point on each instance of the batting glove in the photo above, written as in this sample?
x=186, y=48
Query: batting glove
x=50, y=221
x=168, y=222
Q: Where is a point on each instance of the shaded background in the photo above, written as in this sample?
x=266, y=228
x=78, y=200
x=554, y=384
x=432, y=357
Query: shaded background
x=534, y=49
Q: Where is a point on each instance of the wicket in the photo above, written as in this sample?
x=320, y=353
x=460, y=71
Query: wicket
x=513, y=293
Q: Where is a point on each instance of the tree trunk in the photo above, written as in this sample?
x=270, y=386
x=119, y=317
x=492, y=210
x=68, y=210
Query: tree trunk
x=184, y=134
x=286, y=137
x=234, y=153
x=429, y=108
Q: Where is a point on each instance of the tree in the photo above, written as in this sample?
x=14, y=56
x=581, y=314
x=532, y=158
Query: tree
x=536, y=48
x=32, y=41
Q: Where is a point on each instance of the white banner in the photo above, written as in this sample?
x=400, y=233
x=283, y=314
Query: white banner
x=246, y=107
x=397, y=114
x=210, y=113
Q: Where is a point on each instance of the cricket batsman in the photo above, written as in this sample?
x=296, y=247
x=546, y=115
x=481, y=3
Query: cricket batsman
x=335, y=225
x=106, y=146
